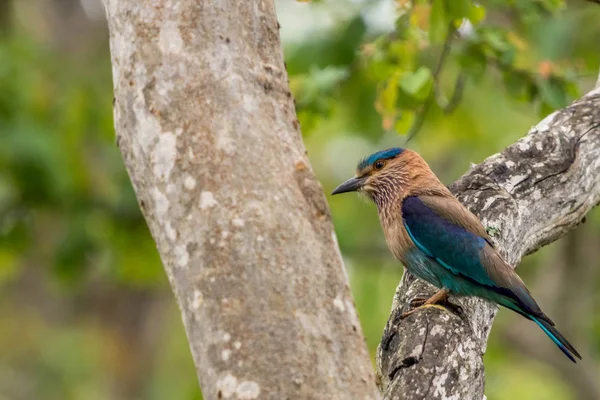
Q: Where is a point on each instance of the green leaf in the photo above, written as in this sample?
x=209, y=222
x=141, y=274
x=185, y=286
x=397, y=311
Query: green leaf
x=473, y=61
x=389, y=96
x=476, y=14
x=496, y=40
x=405, y=122
x=499, y=45
x=417, y=84
x=552, y=6
x=553, y=93
x=458, y=9
x=403, y=26
x=507, y=57
x=438, y=23
x=314, y=89
x=516, y=84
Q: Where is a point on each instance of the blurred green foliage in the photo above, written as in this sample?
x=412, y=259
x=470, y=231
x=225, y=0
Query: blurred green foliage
x=85, y=308
x=63, y=190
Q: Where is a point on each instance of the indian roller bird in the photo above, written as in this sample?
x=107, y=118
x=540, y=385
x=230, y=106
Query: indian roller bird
x=439, y=240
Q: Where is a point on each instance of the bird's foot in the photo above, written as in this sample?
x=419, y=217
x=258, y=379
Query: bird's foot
x=439, y=297
x=438, y=300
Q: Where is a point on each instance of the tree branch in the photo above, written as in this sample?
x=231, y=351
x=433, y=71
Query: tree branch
x=448, y=106
x=207, y=128
x=434, y=91
x=529, y=195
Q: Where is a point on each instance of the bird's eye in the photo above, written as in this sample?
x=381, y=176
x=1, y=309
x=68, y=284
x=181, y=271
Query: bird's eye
x=379, y=165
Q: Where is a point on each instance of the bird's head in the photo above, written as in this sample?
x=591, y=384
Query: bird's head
x=384, y=175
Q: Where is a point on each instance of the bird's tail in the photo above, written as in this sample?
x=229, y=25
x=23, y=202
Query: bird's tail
x=520, y=300
x=553, y=333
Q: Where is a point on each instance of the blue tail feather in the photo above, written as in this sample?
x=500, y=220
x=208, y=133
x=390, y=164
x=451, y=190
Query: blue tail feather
x=557, y=338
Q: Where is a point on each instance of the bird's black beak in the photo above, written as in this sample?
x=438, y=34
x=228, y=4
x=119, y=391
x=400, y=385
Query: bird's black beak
x=351, y=185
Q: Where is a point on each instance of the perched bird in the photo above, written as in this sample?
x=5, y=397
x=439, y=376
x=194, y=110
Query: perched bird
x=439, y=240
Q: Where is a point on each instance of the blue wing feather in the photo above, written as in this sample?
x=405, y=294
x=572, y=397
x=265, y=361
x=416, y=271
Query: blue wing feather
x=458, y=250
x=452, y=246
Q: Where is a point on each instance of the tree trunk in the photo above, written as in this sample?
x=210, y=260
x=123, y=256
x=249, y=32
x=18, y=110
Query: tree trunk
x=529, y=195
x=208, y=131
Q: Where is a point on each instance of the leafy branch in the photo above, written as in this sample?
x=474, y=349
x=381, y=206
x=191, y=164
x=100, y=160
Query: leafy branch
x=435, y=94
x=408, y=90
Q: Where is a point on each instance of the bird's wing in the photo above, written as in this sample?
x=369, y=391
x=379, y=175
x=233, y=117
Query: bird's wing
x=452, y=210
x=445, y=240
x=443, y=235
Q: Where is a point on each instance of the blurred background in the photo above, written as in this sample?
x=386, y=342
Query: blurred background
x=86, y=310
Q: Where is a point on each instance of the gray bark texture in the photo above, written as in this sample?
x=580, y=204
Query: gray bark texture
x=206, y=125
x=529, y=195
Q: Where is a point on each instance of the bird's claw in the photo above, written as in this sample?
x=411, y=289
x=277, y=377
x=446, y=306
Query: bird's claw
x=418, y=301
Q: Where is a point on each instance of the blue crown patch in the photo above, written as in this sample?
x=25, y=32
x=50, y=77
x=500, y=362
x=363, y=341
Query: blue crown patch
x=380, y=155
